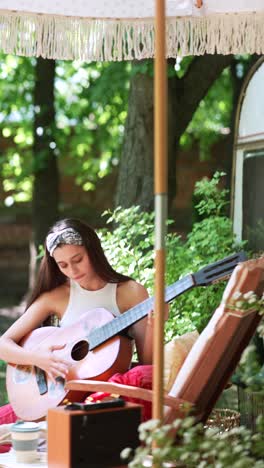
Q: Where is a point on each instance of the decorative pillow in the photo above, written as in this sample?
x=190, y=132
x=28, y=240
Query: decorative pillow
x=175, y=353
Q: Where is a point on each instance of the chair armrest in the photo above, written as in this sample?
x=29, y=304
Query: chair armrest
x=124, y=390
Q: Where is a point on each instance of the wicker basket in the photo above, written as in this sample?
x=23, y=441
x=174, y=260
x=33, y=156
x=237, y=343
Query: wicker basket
x=251, y=405
x=223, y=419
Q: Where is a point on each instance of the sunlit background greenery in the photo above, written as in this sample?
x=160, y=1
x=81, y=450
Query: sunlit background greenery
x=91, y=107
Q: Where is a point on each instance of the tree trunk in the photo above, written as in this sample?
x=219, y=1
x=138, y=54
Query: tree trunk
x=135, y=182
x=45, y=170
x=46, y=177
x=136, y=179
x=185, y=95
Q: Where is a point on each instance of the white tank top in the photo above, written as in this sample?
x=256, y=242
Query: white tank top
x=81, y=300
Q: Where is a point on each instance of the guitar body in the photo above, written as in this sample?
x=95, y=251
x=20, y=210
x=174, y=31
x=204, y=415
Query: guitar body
x=30, y=399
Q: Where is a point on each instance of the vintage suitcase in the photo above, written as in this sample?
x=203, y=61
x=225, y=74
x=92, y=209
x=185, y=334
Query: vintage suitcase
x=91, y=439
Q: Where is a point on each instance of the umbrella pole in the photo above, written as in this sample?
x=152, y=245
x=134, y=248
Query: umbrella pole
x=160, y=186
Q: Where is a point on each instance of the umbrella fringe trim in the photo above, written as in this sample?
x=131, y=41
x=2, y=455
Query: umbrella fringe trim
x=68, y=38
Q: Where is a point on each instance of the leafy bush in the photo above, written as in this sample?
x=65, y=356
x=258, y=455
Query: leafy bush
x=129, y=248
x=197, y=447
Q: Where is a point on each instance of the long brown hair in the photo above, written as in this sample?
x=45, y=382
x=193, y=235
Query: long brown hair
x=49, y=275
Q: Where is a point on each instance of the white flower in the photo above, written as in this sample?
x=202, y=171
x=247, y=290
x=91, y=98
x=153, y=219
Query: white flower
x=126, y=453
x=237, y=295
x=250, y=294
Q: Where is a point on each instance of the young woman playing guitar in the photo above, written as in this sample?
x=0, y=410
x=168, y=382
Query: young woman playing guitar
x=74, y=277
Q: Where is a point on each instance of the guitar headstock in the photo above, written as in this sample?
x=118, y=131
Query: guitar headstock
x=219, y=270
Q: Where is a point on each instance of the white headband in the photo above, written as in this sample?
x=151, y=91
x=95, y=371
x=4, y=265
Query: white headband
x=64, y=236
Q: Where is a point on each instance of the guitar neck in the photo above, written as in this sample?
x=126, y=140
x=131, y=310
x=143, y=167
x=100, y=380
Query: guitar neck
x=119, y=324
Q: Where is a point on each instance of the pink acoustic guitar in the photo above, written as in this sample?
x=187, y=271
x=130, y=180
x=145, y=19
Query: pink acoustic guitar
x=97, y=347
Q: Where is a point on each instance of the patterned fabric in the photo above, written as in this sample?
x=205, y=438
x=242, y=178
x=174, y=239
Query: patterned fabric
x=65, y=236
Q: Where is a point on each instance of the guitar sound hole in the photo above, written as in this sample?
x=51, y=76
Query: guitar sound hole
x=80, y=350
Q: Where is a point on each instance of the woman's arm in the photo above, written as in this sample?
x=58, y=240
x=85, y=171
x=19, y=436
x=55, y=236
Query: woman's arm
x=12, y=352
x=130, y=294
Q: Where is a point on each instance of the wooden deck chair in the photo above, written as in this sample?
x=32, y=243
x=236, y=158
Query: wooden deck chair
x=213, y=357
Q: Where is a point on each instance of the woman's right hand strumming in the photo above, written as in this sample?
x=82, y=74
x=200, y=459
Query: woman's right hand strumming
x=53, y=365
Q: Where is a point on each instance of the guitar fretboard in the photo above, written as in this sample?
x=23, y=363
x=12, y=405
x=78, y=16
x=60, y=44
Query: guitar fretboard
x=116, y=326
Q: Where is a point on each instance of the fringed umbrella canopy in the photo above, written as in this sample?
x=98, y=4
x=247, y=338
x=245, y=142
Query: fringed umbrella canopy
x=124, y=29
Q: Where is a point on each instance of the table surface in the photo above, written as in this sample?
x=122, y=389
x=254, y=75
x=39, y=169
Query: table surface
x=7, y=460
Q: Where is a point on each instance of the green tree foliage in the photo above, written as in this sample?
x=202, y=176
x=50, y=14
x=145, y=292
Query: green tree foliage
x=16, y=115
x=212, y=121
x=91, y=106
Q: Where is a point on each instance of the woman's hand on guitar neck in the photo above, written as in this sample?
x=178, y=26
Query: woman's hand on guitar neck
x=48, y=361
